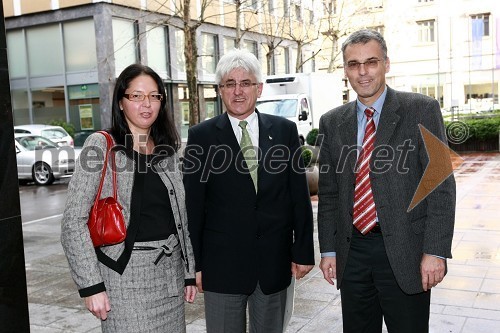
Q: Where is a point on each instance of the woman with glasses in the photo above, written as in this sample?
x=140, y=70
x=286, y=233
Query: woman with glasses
x=140, y=284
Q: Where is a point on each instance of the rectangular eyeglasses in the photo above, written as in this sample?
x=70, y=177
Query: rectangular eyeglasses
x=138, y=97
x=355, y=65
x=243, y=84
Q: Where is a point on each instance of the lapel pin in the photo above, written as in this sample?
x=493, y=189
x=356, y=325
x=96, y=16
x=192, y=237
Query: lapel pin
x=270, y=137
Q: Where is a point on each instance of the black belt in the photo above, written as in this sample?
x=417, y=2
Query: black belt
x=375, y=230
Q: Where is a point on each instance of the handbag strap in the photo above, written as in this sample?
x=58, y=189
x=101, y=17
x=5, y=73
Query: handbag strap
x=109, y=145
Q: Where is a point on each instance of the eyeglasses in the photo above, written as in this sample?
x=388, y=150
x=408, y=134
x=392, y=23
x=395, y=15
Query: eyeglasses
x=370, y=63
x=231, y=85
x=138, y=97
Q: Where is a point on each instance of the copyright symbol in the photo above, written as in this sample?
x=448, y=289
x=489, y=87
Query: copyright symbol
x=457, y=132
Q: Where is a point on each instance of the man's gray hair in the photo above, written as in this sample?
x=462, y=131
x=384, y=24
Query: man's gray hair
x=364, y=36
x=238, y=59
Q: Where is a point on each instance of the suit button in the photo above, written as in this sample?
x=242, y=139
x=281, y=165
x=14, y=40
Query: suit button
x=257, y=236
x=256, y=207
x=348, y=239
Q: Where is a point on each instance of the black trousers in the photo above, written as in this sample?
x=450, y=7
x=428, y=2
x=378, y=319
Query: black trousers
x=370, y=293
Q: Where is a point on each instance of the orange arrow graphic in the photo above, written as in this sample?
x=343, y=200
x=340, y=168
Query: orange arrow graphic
x=438, y=169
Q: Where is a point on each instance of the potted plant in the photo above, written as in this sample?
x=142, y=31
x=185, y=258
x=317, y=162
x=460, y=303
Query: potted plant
x=312, y=141
x=312, y=171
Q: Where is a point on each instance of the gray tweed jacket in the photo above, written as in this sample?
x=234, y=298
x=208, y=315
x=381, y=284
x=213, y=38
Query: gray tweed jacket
x=428, y=228
x=82, y=189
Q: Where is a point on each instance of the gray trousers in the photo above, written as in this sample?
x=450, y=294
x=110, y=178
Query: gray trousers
x=226, y=313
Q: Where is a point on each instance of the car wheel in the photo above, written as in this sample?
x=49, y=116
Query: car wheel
x=42, y=174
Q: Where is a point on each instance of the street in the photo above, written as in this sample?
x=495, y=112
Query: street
x=467, y=301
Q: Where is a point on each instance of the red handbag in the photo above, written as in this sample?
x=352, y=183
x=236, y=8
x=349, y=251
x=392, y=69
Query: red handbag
x=106, y=223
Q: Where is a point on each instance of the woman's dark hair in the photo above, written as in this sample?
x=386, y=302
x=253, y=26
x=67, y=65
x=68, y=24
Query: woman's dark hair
x=163, y=129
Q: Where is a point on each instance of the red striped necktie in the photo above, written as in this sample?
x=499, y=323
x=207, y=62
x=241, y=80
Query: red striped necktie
x=364, y=215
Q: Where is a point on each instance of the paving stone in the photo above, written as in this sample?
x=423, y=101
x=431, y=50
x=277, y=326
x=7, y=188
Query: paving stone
x=476, y=325
x=467, y=301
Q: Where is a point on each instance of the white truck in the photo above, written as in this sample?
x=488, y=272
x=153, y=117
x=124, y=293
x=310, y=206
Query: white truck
x=301, y=97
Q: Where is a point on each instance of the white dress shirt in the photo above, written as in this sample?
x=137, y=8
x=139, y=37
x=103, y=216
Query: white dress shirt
x=252, y=127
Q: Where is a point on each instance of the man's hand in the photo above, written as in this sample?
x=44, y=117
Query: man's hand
x=432, y=269
x=328, y=266
x=189, y=293
x=299, y=271
x=98, y=304
x=198, y=282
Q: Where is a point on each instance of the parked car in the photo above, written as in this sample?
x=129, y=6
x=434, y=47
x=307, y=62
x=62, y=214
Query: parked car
x=80, y=138
x=41, y=160
x=55, y=134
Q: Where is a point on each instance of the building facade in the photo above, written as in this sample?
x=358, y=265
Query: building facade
x=447, y=49
x=64, y=55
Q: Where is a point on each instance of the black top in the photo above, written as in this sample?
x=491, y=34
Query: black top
x=156, y=218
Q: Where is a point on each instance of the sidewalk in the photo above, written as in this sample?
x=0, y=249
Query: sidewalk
x=467, y=301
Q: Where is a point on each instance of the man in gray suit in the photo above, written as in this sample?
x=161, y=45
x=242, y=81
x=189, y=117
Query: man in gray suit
x=385, y=256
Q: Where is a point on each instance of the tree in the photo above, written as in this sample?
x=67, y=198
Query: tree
x=271, y=28
x=191, y=56
x=303, y=31
x=338, y=23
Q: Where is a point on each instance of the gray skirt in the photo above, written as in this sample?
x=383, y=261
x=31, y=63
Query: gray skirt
x=149, y=295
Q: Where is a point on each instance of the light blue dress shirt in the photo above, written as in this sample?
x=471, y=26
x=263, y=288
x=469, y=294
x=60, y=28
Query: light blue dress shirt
x=360, y=112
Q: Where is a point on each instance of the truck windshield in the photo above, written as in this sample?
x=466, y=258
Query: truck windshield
x=280, y=107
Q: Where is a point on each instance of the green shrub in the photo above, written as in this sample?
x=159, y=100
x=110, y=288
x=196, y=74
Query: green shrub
x=481, y=129
x=312, y=136
x=67, y=126
x=306, y=156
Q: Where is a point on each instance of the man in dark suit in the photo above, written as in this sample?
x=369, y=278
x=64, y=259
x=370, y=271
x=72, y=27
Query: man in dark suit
x=385, y=257
x=248, y=204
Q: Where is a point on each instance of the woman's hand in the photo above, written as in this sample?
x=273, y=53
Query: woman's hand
x=189, y=293
x=98, y=304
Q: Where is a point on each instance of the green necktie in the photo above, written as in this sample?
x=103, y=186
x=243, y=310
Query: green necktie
x=249, y=152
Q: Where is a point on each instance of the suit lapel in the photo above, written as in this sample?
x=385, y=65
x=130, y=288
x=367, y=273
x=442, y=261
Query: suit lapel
x=348, y=130
x=225, y=134
x=265, y=138
x=388, y=119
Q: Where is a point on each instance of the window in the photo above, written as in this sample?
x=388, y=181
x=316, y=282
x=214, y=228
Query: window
x=180, y=62
x=480, y=25
x=44, y=42
x=124, y=43
x=297, y=12
x=280, y=61
x=16, y=53
x=157, y=49
x=331, y=7
x=310, y=15
x=250, y=46
x=208, y=53
x=426, y=31
x=80, y=52
x=271, y=6
x=286, y=10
